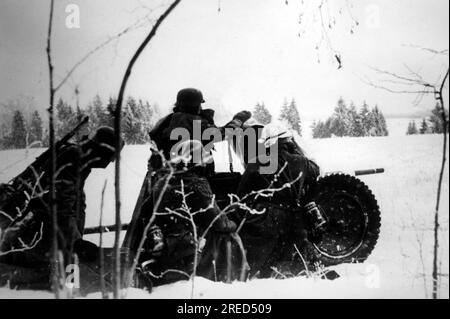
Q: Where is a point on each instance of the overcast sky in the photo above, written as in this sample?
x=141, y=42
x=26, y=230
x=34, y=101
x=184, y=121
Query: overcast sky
x=250, y=51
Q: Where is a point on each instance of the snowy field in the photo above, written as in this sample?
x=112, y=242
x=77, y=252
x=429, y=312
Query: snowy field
x=399, y=267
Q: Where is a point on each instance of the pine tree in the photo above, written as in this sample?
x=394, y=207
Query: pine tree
x=321, y=130
x=133, y=118
x=4, y=136
x=347, y=121
x=364, y=115
x=356, y=125
x=66, y=118
x=262, y=114
x=437, y=121
x=103, y=117
x=340, y=122
x=99, y=114
x=412, y=128
x=289, y=114
x=383, y=124
x=36, y=132
x=146, y=114
x=424, y=127
x=18, y=133
x=409, y=129
x=378, y=122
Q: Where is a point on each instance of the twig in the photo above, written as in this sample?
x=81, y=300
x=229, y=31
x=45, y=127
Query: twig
x=278, y=272
x=52, y=170
x=100, y=246
x=24, y=247
x=303, y=261
x=117, y=127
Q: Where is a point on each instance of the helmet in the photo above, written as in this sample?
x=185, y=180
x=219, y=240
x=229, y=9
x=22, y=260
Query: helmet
x=104, y=136
x=189, y=100
x=272, y=132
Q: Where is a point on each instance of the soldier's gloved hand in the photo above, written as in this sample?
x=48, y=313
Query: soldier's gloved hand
x=85, y=250
x=224, y=225
x=242, y=116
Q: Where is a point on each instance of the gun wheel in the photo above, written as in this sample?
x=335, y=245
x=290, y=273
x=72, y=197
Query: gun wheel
x=353, y=220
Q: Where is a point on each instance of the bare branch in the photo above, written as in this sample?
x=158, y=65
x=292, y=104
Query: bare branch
x=303, y=260
x=24, y=246
x=52, y=170
x=440, y=98
x=396, y=91
x=433, y=51
x=117, y=128
x=134, y=26
x=6, y=215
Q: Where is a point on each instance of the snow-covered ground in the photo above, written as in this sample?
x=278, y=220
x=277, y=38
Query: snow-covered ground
x=399, y=267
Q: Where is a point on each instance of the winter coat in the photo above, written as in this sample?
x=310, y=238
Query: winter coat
x=70, y=208
x=178, y=232
x=267, y=237
x=164, y=127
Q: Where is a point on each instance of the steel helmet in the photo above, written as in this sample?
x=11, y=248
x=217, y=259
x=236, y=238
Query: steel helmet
x=189, y=97
x=104, y=136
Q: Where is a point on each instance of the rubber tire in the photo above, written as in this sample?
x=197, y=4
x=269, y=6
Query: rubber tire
x=351, y=185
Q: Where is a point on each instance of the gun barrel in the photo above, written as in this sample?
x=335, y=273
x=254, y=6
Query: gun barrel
x=103, y=229
x=66, y=138
x=369, y=171
x=41, y=159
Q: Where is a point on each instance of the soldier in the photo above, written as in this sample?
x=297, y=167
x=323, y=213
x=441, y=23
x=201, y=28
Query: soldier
x=186, y=113
x=178, y=248
x=74, y=164
x=269, y=237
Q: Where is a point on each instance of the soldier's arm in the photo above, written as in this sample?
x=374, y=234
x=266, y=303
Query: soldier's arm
x=236, y=122
x=202, y=198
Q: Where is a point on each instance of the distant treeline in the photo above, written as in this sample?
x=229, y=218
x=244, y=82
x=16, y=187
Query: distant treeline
x=139, y=117
x=288, y=114
x=20, y=133
x=348, y=121
x=345, y=120
x=434, y=124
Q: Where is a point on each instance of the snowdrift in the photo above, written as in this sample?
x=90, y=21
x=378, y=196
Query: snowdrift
x=399, y=267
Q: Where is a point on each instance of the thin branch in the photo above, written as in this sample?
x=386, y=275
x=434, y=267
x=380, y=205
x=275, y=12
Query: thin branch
x=117, y=127
x=132, y=27
x=439, y=189
x=168, y=271
x=433, y=51
x=6, y=215
x=52, y=163
x=24, y=247
x=417, y=81
x=100, y=246
x=308, y=273
x=395, y=91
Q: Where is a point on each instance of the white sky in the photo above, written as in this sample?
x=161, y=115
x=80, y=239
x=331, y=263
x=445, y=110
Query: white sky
x=250, y=51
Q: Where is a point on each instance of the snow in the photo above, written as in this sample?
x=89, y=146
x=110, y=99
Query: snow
x=406, y=193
